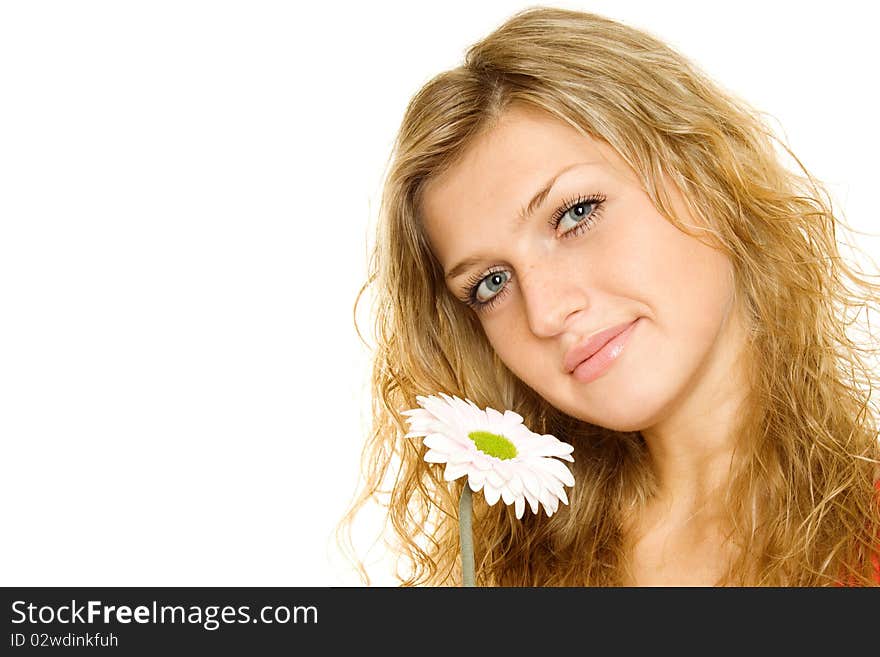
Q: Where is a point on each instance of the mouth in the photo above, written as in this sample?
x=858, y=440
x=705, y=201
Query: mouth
x=579, y=353
x=600, y=352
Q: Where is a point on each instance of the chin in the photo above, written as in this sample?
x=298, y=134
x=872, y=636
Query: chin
x=626, y=425
x=620, y=412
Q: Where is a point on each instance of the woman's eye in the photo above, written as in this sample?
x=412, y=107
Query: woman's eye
x=483, y=292
x=490, y=285
x=577, y=213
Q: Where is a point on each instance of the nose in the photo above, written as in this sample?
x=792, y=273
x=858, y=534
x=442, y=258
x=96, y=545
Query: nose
x=551, y=298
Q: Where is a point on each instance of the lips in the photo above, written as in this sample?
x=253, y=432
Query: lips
x=581, y=352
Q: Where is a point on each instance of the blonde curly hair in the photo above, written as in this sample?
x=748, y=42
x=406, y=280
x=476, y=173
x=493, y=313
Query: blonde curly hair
x=801, y=502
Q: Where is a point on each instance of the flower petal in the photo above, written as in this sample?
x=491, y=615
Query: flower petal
x=491, y=493
x=550, y=446
x=436, y=407
x=440, y=442
x=520, y=506
x=419, y=423
x=510, y=416
x=494, y=478
x=555, y=468
x=432, y=456
x=532, y=500
x=531, y=481
x=462, y=417
x=478, y=477
x=549, y=482
x=482, y=461
x=515, y=482
x=461, y=455
x=547, y=499
x=562, y=496
x=503, y=468
x=455, y=470
x=494, y=416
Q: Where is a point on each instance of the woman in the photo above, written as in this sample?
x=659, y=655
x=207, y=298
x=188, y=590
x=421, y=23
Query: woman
x=576, y=178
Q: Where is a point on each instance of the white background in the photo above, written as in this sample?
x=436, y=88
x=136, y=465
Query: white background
x=187, y=192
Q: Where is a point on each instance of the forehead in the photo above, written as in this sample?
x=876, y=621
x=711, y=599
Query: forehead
x=523, y=144
x=500, y=172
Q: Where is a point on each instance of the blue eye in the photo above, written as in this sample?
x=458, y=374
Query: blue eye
x=492, y=283
x=578, y=214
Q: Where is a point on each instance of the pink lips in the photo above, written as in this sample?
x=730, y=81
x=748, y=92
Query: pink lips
x=588, y=361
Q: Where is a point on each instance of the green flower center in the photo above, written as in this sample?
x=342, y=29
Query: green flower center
x=493, y=444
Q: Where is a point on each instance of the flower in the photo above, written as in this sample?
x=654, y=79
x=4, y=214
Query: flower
x=496, y=451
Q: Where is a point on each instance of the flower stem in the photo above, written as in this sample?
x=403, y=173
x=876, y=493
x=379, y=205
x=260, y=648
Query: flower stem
x=465, y=532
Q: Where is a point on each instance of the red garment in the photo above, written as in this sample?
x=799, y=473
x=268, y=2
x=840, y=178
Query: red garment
x=875, y=557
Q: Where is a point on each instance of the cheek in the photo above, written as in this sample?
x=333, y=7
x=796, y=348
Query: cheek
x=691, y=302
x=511, y=341
x=506, y=339
x=685, y=282
x=697, y=288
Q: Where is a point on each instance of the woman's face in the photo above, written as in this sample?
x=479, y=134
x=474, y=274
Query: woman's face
x=609, y=260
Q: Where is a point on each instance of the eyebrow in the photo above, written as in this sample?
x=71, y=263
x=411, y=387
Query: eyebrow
x=526, y=212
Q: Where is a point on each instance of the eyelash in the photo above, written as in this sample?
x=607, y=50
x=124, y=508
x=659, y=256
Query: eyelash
x=597, y=200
